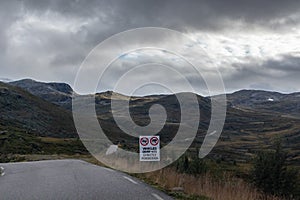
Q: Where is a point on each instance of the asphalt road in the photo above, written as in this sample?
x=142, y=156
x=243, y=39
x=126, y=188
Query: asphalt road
x=70, y=179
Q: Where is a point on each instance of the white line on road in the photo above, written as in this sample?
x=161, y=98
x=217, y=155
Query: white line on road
x=157, y=197
x=129, y=179
x=108, y=169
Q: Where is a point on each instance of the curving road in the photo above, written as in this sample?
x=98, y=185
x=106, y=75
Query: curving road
x=71, y=179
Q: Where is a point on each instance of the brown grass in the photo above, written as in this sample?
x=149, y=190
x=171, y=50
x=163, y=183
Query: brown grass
x=226, y=187
x=222, y=187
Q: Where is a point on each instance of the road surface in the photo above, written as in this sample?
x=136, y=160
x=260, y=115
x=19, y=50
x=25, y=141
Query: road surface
x=70, y=179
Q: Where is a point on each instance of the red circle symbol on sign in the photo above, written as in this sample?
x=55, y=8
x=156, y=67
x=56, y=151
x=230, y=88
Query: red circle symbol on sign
x=154, y=141
x=144, y=141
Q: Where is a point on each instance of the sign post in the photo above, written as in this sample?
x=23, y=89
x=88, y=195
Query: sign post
x=149, y=148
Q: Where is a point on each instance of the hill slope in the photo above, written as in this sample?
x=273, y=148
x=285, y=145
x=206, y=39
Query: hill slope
x=253, y=118
x=245, y=131
x=21, y=109
x=56, y=93
x=264, y=101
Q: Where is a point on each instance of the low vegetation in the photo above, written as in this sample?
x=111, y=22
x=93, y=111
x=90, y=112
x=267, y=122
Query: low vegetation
x=267, y=178
x=14, y=141
x=33, y=129
x=271, y=174
x=226, y=187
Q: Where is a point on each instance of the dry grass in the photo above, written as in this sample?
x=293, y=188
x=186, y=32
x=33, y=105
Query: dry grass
x=226, y=187
x=223, y=187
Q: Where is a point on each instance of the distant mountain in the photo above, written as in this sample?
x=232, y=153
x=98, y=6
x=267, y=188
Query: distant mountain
x=5, y=80
x=253, y=117
x=57, y=93
x=245, y=131
x=263, y=101
x=25, y=111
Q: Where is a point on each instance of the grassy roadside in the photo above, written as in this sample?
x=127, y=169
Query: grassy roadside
x=179, y=194
x=187, y=178
x=39, y=157
x=219, y=186
x=88, y=158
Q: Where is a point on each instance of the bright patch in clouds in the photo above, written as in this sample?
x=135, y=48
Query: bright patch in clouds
x=235, y=47
x=22, y=29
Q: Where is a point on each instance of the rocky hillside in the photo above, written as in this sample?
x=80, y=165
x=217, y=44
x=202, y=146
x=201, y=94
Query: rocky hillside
x=253, y=117
x=56, y=93
x=264, y=101
x=245, y=131
x=21, y=109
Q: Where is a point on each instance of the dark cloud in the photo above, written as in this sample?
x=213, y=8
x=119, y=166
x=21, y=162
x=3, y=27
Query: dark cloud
x=286, y=63
x=175, y=13
x=281, y=74
x=9, y=13
x=66, y=31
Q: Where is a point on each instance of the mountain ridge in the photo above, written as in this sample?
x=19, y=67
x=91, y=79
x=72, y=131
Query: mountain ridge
x=56, y=93
x=27, y=111
x=246, y=129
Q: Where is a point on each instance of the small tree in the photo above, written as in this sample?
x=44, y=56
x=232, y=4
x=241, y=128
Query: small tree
x=270, y=172
x=191, y=165
x=182, y=164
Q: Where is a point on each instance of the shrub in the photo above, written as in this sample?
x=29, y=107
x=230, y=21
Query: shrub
x=192, y=165
x=270, y=172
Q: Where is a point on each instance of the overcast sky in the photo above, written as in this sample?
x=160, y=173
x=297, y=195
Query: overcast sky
x=254, y=44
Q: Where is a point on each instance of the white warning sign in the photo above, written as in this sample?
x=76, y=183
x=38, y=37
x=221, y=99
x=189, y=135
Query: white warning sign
x=149, y=148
